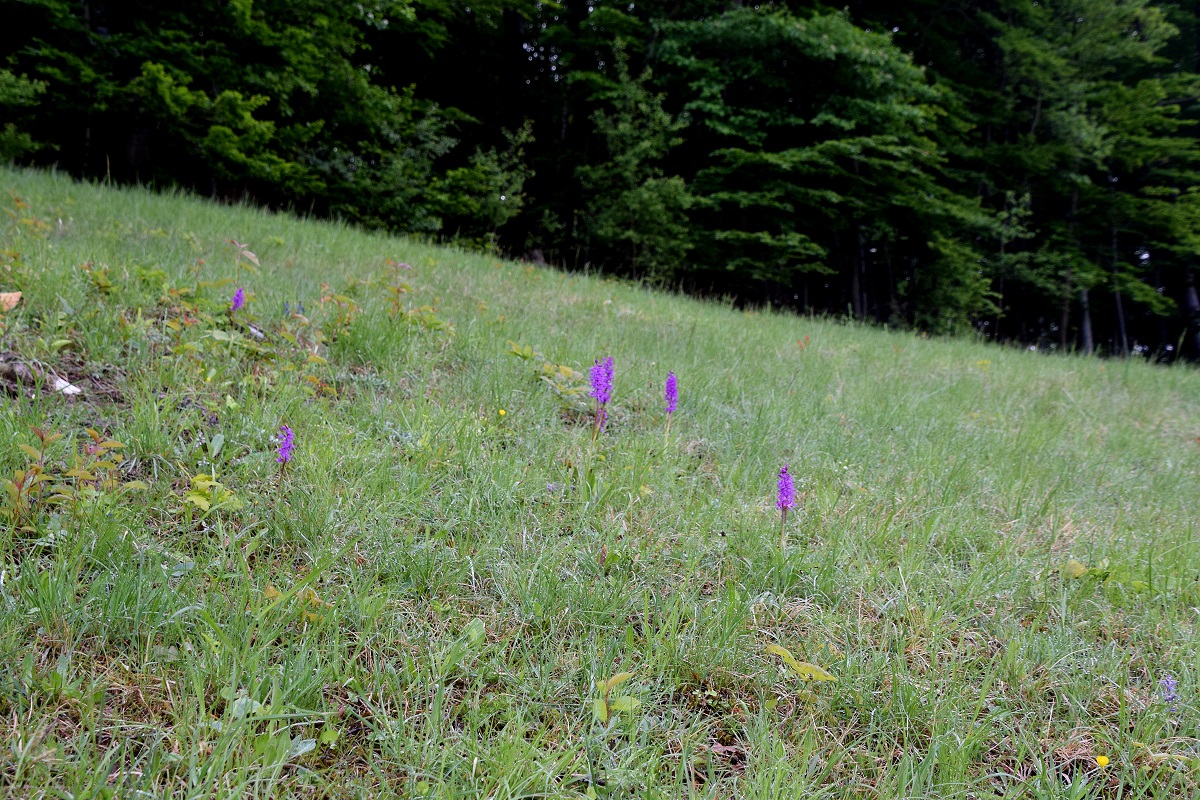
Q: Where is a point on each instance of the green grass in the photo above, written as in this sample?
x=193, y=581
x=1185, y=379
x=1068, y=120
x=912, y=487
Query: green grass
x=422, y=604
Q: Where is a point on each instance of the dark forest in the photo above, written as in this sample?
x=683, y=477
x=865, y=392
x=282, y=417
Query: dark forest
x=1029, y=171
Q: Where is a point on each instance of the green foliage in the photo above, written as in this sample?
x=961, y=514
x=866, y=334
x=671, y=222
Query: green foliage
x=477, y=200
x=269, y=99
x=16, y=91
x=801, y=669
x=604, y=705
x=798, y=179
x=567, y=384
x=635, y=212
x=90, y=479
x=221, y=130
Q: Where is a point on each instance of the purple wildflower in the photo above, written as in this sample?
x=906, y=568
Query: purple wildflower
x=787, y=499
x=1170, y=696
x=787, y=491
x=286, y=444
x=602, y=380
x=671, y=394
x=239, y=300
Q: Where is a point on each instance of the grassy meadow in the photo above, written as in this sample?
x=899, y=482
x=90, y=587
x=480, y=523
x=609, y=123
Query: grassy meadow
x=453, y=590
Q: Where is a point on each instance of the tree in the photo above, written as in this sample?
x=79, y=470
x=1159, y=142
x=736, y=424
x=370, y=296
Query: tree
x=815, y=158
x=634, y=212
x=277, y=101
x=16, y=92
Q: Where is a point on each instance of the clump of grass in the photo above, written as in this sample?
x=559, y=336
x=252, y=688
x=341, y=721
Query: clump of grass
x=996, y=571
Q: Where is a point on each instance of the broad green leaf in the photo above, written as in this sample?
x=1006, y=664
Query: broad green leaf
x=329, y=735
x=243, y=707
x=616, y=680
x=805, y=670
x=624, y=703
x=474, y=632
x=1074, y=569
x=299, y=747
x=600, y=709
x=199, y=500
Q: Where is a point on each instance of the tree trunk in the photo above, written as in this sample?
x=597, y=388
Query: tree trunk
x=999, y=302
x=1068, y=279
x=1065, y=320
x=1085, y=324
x=1122, y=334
x=1000, y=279
x=1193, y=307
x=1121, y=344
x=860, y=268
x=891, y=276
x=1163, y=337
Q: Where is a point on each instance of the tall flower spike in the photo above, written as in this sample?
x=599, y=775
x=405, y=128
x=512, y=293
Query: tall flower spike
x=286, y=444
x=671, y=395
x=602, y=380
x=787, y=499
x=787, y=491
x=239, y=300
x=1170, y=693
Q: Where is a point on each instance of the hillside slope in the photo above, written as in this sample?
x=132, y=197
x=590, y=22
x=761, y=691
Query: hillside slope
x=995, y=552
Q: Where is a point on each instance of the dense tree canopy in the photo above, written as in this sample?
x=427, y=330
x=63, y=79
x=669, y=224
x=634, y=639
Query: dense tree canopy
x=1029, y=169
